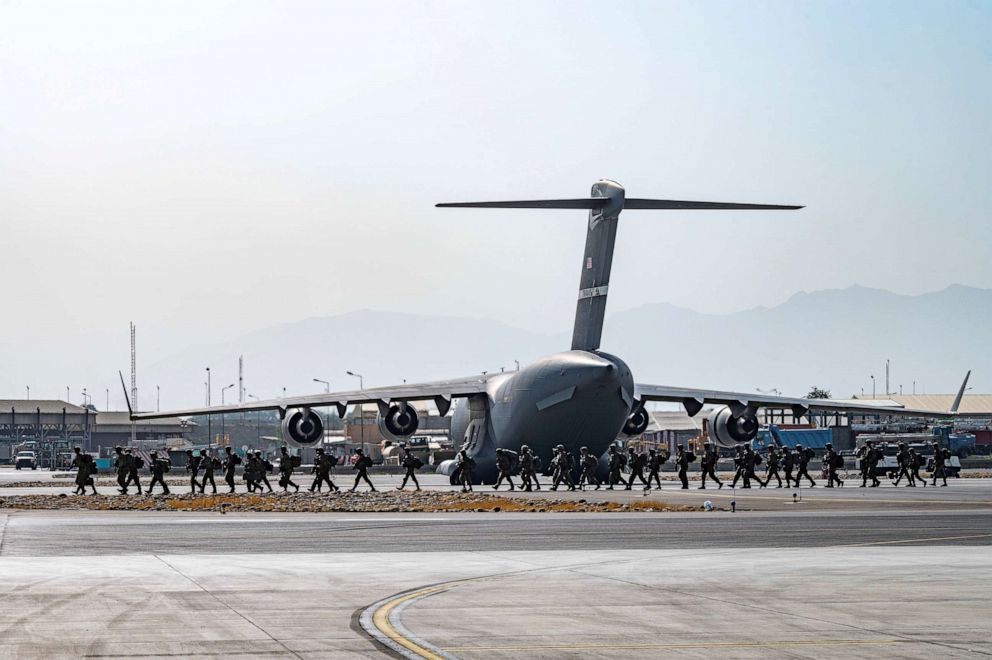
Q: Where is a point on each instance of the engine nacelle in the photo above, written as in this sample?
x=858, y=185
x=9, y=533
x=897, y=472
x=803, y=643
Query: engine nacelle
x=728, y=430
x=302, y=427
x=400, y=421
x=637, y=422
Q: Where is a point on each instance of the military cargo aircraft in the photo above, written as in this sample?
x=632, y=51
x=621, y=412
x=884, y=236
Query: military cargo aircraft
x=580, y=397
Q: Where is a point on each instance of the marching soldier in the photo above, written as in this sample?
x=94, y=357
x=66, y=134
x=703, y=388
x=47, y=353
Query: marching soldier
x=751, y=461
x=916, y=461
x=636, y=462
x=286, y=470
x=655, y=460
x=193, y=467
x=82, y=465
x=159, y=466
x=466, y=465
x=588, y=463
x=564, y=464
x=904, y=466
x=788, y=465
x=207, y=462
x=802, y=458
x=362, y=464
x=710, y=459
x=134, y=463
x=940, y=456
x=120, y=464
x=682, y=463
x=231, y=461
x=322, y=465
x=615, y=467
x=771, y=470
x=504, y=461
x=831, y=460
x=262, y=473
x=411, y=463
x=869, y=461
x=253, y=470
x=528, y=469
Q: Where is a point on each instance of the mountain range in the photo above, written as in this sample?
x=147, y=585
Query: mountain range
x=836, y=339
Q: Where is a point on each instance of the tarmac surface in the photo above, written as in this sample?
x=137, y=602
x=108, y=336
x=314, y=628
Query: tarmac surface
x=888, y=572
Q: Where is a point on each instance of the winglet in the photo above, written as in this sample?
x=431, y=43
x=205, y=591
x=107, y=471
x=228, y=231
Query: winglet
x=957, y=399
x=126, y=397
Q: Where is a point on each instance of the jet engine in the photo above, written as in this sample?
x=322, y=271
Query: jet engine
x=302, y=427
x=400, y=421
x=729, y=430
x=637, y=422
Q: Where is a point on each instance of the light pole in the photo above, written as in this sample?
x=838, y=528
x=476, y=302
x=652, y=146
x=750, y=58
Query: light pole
x=28, y=387
x=67, y=394
x=210, y=430
x=327, y=390
x=108, y=399
x=223, y=421
x=158, y=398
x=361, y=410
x=517, y=362
x=258, y=422
x=873, y=386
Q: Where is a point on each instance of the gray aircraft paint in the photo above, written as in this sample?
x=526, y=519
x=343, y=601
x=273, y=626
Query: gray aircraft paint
x=580, y=397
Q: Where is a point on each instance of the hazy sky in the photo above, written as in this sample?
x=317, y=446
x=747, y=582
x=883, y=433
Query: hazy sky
x=206, y=168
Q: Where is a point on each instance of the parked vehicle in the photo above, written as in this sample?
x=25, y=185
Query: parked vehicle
x=26, y=459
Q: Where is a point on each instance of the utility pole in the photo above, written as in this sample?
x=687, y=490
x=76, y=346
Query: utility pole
x=210, y=431
x=29, y=392
x=158, y=398
x=241, y=379
x=223, y=421
x=887, y=378
x=361, y=411
x=873, y=386
x=134, y=384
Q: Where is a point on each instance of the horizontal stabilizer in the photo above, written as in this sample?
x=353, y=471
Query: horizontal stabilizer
x=673, y=204
x=588, y=203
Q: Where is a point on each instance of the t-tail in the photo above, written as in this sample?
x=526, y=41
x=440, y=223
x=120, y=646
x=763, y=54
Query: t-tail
x=607, y=200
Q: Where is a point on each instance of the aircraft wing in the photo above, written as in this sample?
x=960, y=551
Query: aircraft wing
x=694, y=400
x=441, y=392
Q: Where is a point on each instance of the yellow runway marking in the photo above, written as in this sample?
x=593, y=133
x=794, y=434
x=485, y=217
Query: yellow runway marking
x=933, y=538
x=702, y=645
x=380, y=618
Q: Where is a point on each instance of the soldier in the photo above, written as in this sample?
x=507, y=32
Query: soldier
x=615, y=467
x=865, y=454
x=231, y=461
x=682, y=464
x=904, y=466
x=710, y=459
x=465, y=467
x=832, y=461
x=411, y=463
x=134, y=463
x=262, y=473
x=120, y=464
x=588, y=463
x=940, y=456
x=322, y=464
x=207, y=463
x=563, y=468
x=193, y=467
x=803, y=456
x=253, y=468
x=159, y=466
x=751, y=461
x=916, y=461
x=286, y=470
x=739, y=467
x=771, y=470
x=655, y=460
x=788, y=465
x=636, y=462
x=82, y=466
x=362, y=464
x=528, y=469
x=504, y=461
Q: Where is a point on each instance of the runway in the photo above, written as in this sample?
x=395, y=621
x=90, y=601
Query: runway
x=799, y=584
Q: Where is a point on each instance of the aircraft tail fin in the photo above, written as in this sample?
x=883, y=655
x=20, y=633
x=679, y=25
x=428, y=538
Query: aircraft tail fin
x=607, y=200
x=957, y=399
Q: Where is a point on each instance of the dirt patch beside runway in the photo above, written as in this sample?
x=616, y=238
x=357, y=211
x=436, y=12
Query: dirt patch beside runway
x=359, y=502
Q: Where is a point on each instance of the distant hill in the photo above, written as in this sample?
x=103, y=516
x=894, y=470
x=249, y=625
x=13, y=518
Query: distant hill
x=834, y=339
